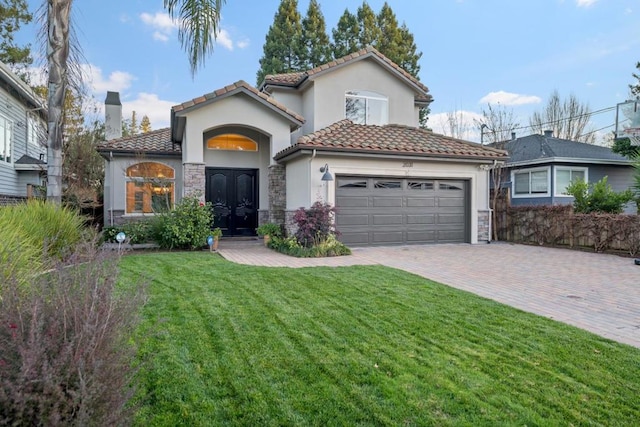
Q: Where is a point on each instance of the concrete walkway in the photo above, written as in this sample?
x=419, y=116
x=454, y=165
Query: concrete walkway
x=596, y=292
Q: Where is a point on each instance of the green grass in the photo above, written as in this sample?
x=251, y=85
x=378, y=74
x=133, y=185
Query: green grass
x=225, y=344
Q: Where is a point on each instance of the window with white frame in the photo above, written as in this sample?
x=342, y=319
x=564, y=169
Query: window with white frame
x=567, y=175
x=35, y=132
x=5, y=140
x=366, y=108
x=530, y=182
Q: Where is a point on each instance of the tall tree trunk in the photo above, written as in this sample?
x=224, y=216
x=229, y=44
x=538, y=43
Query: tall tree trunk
x=58, y=22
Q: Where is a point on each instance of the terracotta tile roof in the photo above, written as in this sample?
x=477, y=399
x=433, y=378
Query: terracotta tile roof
x=391, y=139
x=295, y=79
x=156, y=141
x=232, y=88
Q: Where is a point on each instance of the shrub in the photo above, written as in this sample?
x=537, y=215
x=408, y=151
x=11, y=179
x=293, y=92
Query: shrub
x=65, y=354
x=185, y=227
x=598, y=197
x=290, y=246
x=51, y=229
x=136, y=232
x=315, y=224
x=269, y=229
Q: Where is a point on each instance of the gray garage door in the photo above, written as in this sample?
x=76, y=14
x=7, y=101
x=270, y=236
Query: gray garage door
x=374, y=210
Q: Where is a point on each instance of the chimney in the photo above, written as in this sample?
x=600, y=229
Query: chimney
x=513, y=136
x=112, y=116
x=548, y=133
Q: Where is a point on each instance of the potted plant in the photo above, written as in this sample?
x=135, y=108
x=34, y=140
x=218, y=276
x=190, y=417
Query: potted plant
x=216, y=233
x=269, y=230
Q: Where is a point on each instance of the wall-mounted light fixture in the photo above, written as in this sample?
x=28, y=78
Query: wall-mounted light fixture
x=327, y=175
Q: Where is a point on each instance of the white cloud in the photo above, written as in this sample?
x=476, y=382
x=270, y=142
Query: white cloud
x=224, y=39
x=149, y=104
x=508, y=98
x=242, y=44
x=162, y=24
x=115, y=81
x=585, y=3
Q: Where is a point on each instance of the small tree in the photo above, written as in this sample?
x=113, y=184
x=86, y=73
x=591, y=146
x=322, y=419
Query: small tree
x=598, y=197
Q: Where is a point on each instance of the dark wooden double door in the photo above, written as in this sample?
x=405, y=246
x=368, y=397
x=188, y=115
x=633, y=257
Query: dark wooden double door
x=233, y=193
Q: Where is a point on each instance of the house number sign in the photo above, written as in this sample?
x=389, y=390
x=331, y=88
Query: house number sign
x=407, y=164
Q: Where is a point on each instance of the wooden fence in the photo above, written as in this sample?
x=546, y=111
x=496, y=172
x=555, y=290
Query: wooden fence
x=560, y=226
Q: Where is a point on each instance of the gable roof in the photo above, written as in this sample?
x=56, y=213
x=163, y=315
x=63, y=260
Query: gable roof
x=156, y=142
x=178, y=111
x=537, y=149
x=296, y=79
x=346, y=136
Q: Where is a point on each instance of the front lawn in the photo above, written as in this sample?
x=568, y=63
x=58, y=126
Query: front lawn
x=224, y=343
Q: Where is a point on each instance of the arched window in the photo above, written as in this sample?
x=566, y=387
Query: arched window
x=232, y=142
x=366, y=108
x=150, y=187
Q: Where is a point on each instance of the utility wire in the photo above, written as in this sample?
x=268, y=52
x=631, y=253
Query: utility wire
x=592, y=113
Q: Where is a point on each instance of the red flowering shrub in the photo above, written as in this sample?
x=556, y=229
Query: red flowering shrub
x=315, y=224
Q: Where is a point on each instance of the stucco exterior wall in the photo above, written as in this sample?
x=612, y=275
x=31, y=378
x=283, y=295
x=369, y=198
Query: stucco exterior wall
x=115, y=186
x=238, y=110
x=329, y=94
x=304, y=184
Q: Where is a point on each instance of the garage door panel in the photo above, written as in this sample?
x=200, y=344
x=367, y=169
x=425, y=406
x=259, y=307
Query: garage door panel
x=387, y=202
x=387, y=219
x=426, y=236
x=352, y=201
x=388, y=237
x=450, y=219
x=408, y=210
x=355, y=238
x=422, y=202
x=421, y=219
x=346, y=220
x=446, y=202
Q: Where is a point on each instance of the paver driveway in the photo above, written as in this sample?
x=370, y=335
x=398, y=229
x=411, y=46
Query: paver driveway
x=596, y=292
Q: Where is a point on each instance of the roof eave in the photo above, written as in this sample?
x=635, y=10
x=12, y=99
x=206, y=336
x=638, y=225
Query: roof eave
x=569, y=160
x=181, y=113
x=298, y=150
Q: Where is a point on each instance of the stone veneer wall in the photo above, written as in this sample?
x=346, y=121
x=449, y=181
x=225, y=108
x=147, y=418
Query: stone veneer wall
x=194, y=180
x=277, y=194
x=484, y=219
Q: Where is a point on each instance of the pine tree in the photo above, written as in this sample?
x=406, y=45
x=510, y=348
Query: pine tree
x=283, y=46
x=345, y=35
x=145, y=124
x=13, y=14
x=315, y=42
x=133, y=125
x=390, y=37
x=369, y=31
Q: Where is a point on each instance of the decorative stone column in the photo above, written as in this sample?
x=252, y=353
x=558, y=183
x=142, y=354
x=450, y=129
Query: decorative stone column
x=194, y=180
x=277, y=193
x=484, y=218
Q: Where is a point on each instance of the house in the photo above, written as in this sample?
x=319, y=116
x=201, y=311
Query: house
x=540, y=168
x=22, y=133
x=345, y=133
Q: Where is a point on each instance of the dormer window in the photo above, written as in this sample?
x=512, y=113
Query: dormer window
x=366, y=108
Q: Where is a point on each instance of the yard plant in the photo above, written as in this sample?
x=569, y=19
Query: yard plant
x=226, y=344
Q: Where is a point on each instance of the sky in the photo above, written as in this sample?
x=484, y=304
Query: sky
x=509, y=52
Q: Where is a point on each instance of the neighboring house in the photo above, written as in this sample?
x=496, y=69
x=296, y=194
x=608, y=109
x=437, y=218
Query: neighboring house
x=345, y=133
x=540, y=167
x=22, y=138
